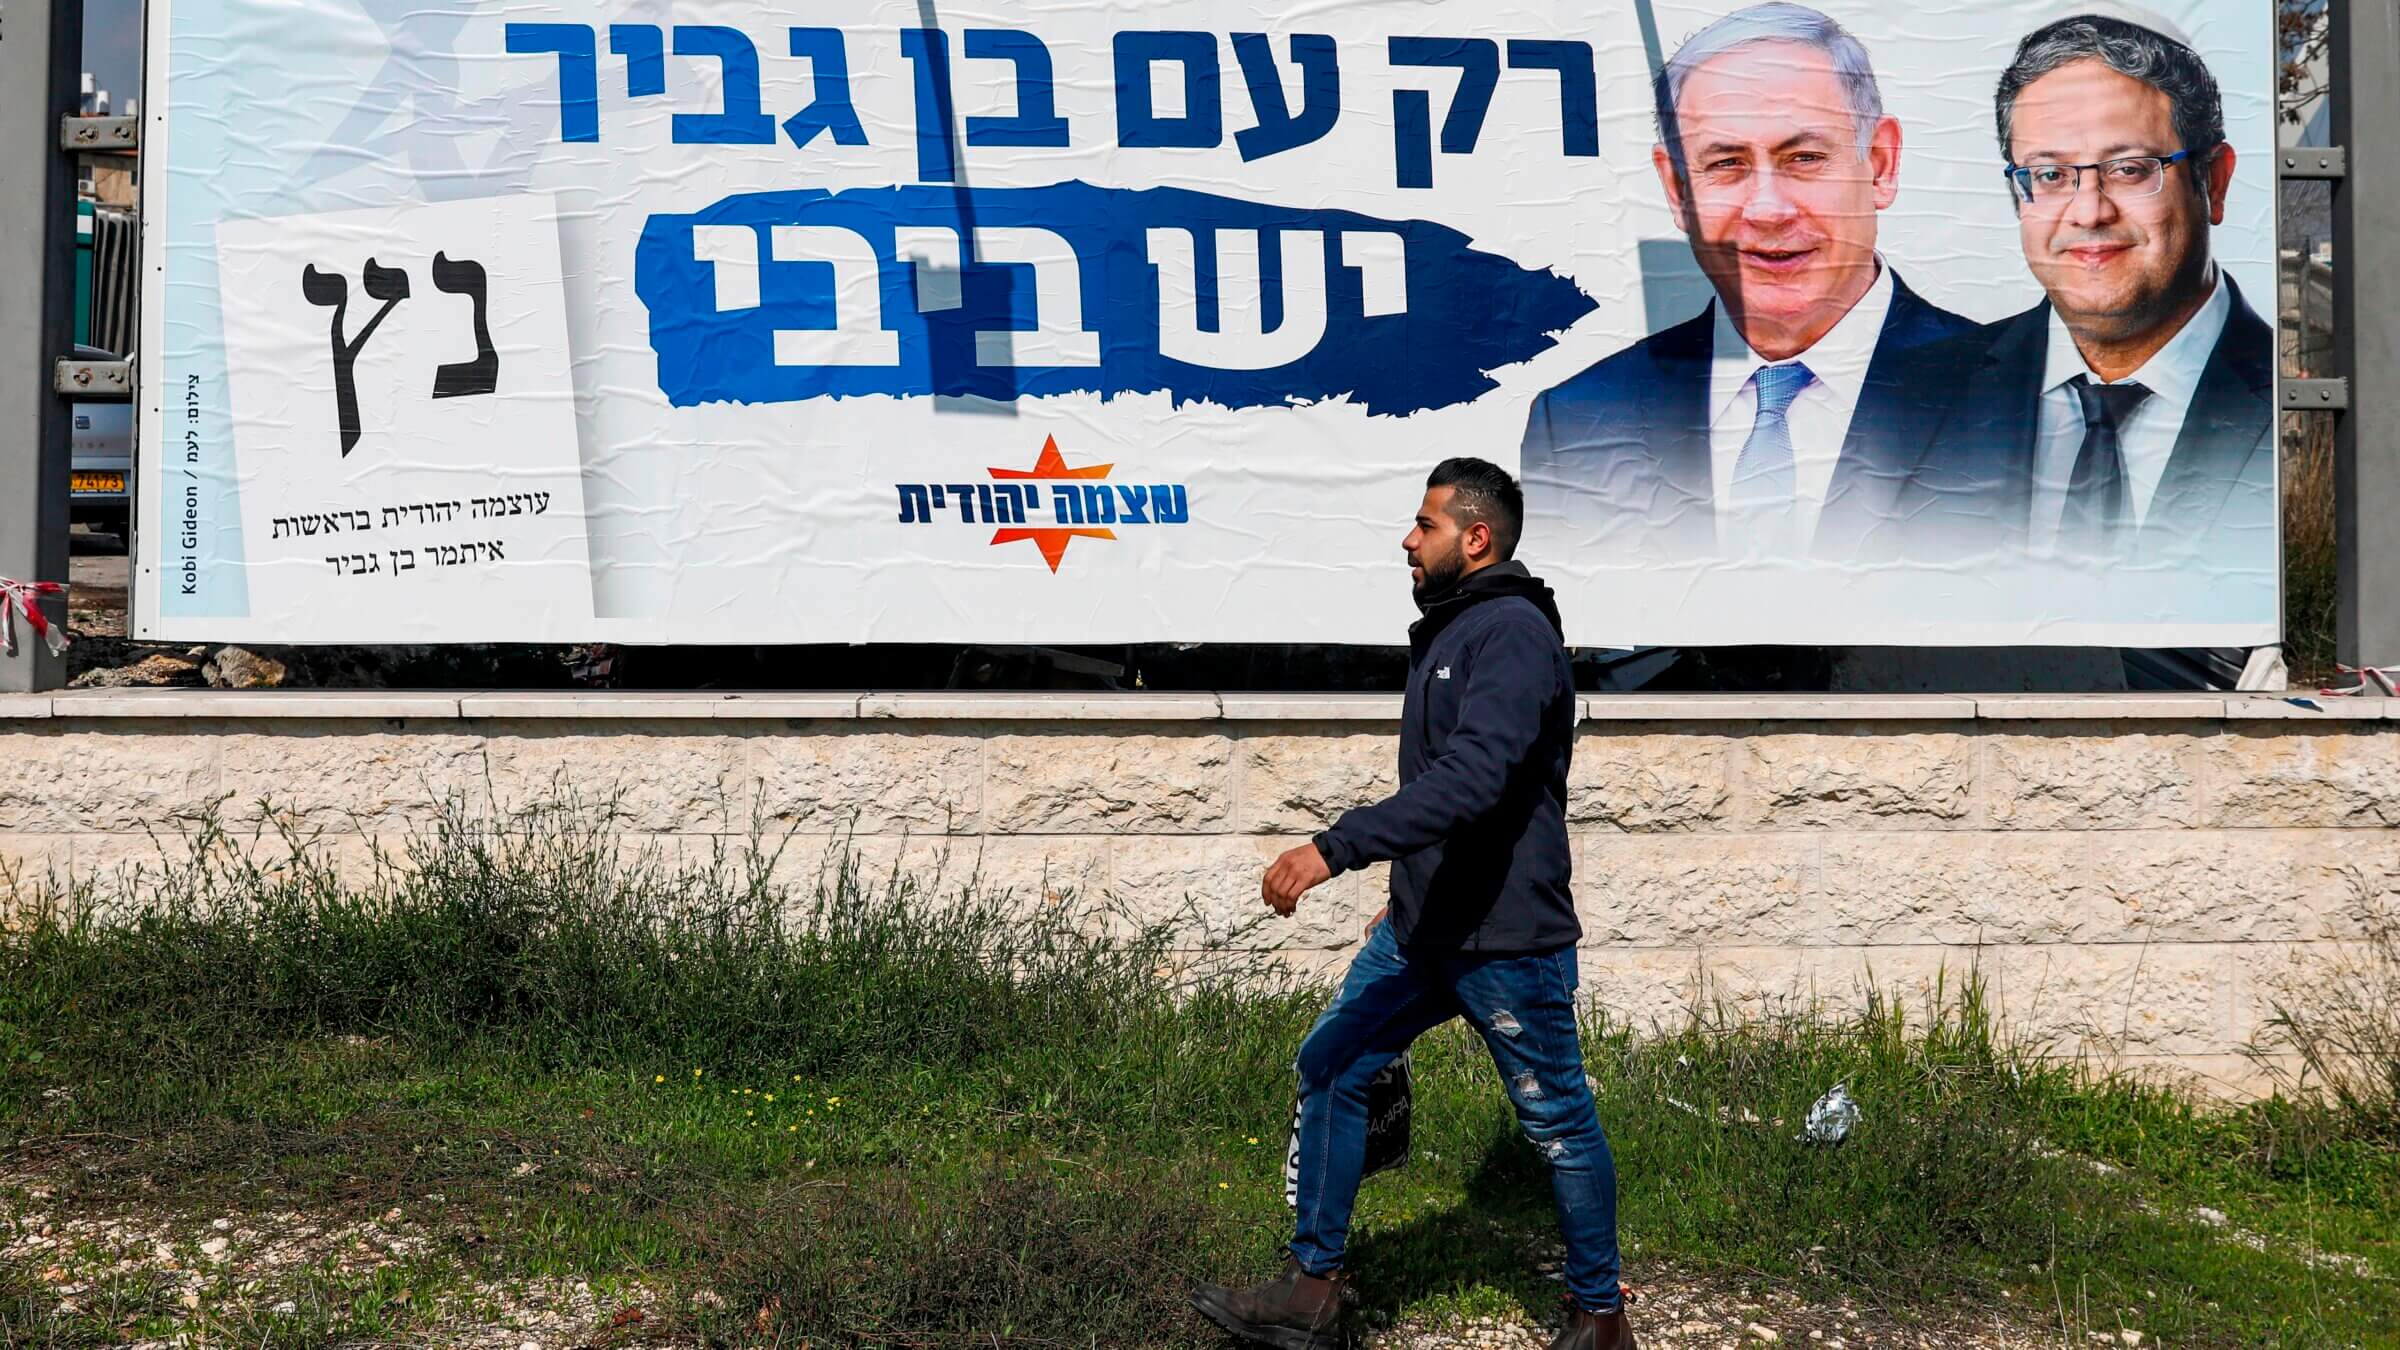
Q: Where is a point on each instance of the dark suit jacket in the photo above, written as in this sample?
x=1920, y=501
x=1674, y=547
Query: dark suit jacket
x=1616, y=460
x=1976, y=417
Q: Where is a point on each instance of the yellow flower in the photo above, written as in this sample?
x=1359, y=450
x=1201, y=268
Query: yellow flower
x=745, y=1092
x=1223, y=1187
x=833, y=1101
x=791, y=1129
x=770, y=1096
x=1254, y=1139
x=658, y=1078
x=795, y=1078
x=695, y=1073
x=749, y=1113
x=812, y=1111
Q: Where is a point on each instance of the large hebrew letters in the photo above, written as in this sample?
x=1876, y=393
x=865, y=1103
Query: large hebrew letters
x=829, y=110
x=1058, y=337
x=578, y=72
x=1241, y=341
x=1279, y=129
x=1140, y=125
x=740, y=122
x=1477, y=61
x=858, y=337
x=1036, y=121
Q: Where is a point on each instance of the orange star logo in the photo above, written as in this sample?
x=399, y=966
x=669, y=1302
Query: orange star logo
x=1052, y=541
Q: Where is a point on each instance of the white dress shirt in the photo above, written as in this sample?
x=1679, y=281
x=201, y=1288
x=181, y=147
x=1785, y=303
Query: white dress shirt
x=1819, y=417
x=2146, y=438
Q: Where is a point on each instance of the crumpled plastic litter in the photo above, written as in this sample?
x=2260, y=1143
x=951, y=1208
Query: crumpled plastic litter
x=1832, y=1118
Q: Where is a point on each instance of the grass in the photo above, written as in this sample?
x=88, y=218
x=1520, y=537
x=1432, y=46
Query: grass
x=858, y=1112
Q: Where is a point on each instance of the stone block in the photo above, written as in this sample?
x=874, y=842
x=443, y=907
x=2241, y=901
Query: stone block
x=2077, y=886
x=1859, y=780
x=2263, y=774
x=2093, y=777
x=67, y=782
x=874, y=782
x=332, y=776
x=1707, y=891
x=1207, y=887
x=654, y=777
x=1071, y=782
x=1301, y=782
x=1634, y=780
x=1018, y=872
x=1664, y=988
x=2107, y=1000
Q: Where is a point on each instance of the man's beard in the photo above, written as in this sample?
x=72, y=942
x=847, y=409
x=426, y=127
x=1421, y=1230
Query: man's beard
x=1441, y=574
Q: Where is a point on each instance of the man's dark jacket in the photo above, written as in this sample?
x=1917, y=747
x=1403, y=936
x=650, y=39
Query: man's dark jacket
x=1477, y=833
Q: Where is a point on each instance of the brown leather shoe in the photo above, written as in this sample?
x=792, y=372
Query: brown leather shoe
x=1594, y=1331
x=1293, y=1311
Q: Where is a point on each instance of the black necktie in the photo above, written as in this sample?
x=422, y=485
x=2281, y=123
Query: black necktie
x=2098, y=502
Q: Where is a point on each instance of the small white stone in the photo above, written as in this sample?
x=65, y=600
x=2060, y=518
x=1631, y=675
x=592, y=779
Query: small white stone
x=285, y=1308
x=1762, y=1333
x=221, y=1225
x=214, y=1249
x=2129, y=1336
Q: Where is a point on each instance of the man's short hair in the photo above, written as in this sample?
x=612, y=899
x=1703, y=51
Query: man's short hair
x=2131, y=50
x=1777, y=21
x=1482, y=491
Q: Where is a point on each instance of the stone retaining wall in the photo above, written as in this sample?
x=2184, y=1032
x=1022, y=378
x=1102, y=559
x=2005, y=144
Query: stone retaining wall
x=2130, y=874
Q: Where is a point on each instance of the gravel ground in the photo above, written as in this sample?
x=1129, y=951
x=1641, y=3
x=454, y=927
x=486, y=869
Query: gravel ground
x=209, y=1275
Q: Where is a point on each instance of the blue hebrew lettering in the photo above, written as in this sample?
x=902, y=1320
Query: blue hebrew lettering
x=1167, y=505
x=645, y=53
x=965, y=493
x=740, y=122
x=1137, y=504
x=1139, y=126
x=915, y=507
x=578, y=53
x=1278, y=129
x=1014, y=293
x=829, y=110
x=1578, y=91
x=1477, y=61
x=1036, y=121
x=928, y=53
x=1099, y=504
x=1067, y=505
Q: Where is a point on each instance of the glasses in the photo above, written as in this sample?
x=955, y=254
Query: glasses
x=2132, y=176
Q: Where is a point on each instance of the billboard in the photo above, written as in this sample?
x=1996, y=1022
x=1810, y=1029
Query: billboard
x=1867, y=321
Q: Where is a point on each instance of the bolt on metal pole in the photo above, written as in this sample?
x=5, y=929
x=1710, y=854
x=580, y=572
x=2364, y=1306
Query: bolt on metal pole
x=41, y=54
x=2364, y=50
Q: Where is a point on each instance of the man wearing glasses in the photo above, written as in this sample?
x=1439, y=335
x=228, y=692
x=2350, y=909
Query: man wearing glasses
x=2128, y=417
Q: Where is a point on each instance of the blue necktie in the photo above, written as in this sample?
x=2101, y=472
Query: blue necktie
x=1761, y=495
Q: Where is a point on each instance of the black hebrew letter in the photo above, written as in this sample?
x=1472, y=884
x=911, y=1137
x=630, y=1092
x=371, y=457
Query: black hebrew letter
x=332, y=289
x=459, y=379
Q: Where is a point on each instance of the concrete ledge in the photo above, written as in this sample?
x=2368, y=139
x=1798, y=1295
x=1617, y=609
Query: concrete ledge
x=1144, y=706
x=1062, y=707
x=2099, y=707
x=1311, y=707
x=1776, y=707
x=286, y=704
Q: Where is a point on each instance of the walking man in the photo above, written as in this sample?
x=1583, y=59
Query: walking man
x=1481, y=924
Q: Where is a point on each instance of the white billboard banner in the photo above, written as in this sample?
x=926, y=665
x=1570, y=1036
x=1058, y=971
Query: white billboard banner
x=696, y=322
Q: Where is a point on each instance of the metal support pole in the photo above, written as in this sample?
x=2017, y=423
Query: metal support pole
x=2364, y=49
x=41, y=54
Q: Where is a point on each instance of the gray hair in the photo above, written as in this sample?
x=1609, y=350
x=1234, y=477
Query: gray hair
x=1776, y=21
x=2130, y=50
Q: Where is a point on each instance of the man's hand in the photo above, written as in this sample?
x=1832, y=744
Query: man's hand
x=1290, y=876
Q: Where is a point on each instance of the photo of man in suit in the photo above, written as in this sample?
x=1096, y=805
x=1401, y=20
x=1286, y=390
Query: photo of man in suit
x=1757, y=428
x=2128, y=417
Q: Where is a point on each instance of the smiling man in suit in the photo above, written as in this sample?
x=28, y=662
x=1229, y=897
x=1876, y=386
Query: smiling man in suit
x=1754, y=429
x=2128, y=418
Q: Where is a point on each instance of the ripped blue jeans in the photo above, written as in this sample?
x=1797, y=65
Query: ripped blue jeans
x=1524, y=1007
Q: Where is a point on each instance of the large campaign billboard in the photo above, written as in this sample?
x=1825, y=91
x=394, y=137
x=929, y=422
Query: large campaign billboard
x=1917, y=322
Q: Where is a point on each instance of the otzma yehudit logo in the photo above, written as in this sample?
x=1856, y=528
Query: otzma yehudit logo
x=1079, y=504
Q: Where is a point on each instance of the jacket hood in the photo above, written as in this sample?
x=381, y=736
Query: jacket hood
x=1496, y=582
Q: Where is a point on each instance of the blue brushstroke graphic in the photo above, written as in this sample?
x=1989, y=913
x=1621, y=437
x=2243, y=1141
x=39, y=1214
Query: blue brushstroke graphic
x=1411, y=318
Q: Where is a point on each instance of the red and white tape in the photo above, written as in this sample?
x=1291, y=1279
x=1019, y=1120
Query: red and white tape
x=25, y=597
